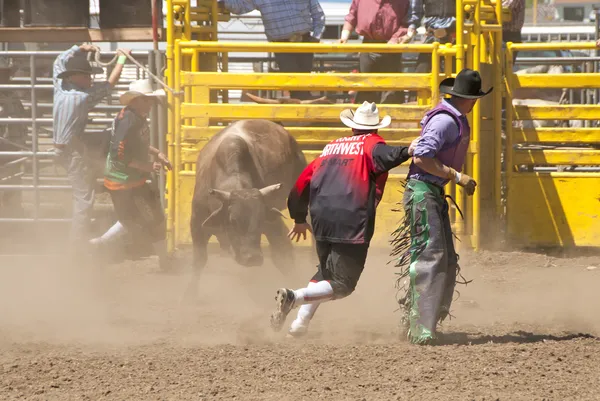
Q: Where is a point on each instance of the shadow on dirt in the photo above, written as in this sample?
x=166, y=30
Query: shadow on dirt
x=519, y=337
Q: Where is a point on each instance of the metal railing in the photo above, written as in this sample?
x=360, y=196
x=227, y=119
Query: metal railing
x=37, y=173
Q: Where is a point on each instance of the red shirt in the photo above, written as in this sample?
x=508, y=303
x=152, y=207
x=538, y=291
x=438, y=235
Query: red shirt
x=343, y=187
x=379, y=19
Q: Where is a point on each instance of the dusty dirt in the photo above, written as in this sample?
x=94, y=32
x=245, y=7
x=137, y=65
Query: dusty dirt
x=524, y=330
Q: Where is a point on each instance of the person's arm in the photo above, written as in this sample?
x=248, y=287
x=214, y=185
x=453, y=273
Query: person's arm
x=161, y=157
x=350, y=21
x=115, y=75
x=318, y=19
x=415, y=15
x=239, y=6
x=440, y=129
x=387, y=157
x=299, y=196
x=61, y=61
x=100, y=90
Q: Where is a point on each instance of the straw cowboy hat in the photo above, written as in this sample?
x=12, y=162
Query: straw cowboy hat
x=366, y=117
x=142, y=87
x=466, y=85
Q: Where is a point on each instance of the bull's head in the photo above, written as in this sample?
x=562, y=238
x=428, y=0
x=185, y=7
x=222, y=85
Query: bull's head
x=243, y=213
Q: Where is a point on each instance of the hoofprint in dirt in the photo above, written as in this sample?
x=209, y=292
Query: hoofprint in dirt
x=124, y=332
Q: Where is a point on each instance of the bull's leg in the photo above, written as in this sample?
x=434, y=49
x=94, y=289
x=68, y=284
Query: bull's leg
x=224, y=244
x=200, y=256
x=282, y=250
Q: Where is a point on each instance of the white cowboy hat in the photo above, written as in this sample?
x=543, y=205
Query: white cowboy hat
x=366, y=117
x=142, y=87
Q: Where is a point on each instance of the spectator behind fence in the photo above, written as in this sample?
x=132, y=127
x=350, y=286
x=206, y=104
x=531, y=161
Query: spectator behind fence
x=75, y=94
x=439, y=19
x=378, y=21
x=287, y=21
x=511, y=30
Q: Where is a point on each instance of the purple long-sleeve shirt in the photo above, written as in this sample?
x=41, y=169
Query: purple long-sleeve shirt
x=440, y=130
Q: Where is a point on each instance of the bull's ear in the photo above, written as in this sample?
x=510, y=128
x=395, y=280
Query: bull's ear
x=215, y=218
x=274, y=212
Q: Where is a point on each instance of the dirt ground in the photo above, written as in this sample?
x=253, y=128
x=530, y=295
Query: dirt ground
x=524, y=329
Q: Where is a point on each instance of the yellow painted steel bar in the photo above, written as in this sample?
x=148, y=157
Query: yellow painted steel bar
x=187, y=27
x=557, y=174
x=307, y=133
x=509, y=148
x=578, y=157
x=315, y=82
x=497, y=113
x=554, y=46
x=460, y=42
x=170, y=132
x=291, y=112
x=435, y=75
x=275, y=47
x=579, y=81
x=556, y=135
x=560, y=112
x=476, y=130
x=177, y=134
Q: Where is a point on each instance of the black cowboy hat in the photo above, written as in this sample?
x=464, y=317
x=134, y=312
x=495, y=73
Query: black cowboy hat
x=79, y=65
x=466, y=85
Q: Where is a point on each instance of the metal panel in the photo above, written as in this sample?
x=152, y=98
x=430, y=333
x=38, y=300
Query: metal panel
x=291, y=112
x=315, y=82
x=579, y=157
x=558, y=209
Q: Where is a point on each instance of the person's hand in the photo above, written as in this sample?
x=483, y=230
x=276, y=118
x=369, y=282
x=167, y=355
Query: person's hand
x=393, y=41
x=598, y=43
x=299, y=230
x=467, y=183
x=164, y=161
x=413, y=145
x=343, y=40
x=89, y=48
x=156, y=167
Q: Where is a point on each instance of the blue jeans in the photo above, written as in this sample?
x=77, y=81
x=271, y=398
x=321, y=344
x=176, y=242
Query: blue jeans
x=82, y=179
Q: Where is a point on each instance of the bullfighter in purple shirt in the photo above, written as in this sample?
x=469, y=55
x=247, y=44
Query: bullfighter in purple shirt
x=438, y=158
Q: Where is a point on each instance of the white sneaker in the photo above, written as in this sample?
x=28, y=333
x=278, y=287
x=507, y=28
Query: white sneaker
x=298, y=329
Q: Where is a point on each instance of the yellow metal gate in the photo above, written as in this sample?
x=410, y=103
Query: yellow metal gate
x=557, y=208
x=541, y=209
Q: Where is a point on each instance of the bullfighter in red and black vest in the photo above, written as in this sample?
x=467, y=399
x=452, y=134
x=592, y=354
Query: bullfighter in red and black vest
x=343, y=187
x=439, y=157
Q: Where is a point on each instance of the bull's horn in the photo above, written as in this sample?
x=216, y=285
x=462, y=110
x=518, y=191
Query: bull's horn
x=223, y=195
x=270, y=189
x=279, y=212
x=262, y=100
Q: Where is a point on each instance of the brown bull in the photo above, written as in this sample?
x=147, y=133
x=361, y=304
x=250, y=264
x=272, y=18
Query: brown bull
x=243, y=177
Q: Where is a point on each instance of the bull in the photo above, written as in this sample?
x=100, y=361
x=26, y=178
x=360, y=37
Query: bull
x=243, y=176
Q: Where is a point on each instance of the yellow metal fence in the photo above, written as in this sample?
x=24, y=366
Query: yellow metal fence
x=197, y=117
x=551, y=208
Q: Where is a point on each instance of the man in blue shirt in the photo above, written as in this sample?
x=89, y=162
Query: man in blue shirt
x=75, y=94
x=287, y=21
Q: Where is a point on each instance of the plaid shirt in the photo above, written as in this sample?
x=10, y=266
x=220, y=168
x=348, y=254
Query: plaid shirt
x=517, y=9
x=72, y=104
x=438, y=13
x=284, y=18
